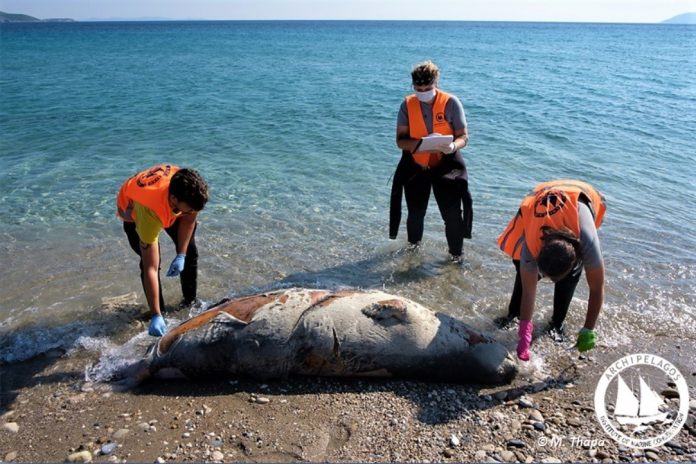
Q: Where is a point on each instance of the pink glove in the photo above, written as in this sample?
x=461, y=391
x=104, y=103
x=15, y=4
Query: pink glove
x=525, y=333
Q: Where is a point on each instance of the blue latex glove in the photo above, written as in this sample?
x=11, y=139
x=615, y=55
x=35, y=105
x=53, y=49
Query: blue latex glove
x=177, y=266
x=157, y=326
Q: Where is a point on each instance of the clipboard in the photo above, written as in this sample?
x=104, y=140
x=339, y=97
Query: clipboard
x=431, y=142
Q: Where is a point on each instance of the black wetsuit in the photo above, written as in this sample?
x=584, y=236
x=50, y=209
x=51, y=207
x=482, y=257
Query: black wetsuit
x=563, y=292
x=450, y=184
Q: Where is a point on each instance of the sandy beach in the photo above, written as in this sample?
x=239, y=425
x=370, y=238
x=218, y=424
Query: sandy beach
x=51, y=413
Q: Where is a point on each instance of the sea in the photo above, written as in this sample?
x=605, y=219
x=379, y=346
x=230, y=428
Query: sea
x=292, y=123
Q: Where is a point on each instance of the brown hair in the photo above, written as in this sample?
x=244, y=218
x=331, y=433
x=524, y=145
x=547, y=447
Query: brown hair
x=425, y=73
x=559, y=252
x=188, y=186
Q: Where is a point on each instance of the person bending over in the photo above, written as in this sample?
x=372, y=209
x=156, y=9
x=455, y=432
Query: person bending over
x=554, y=235
x=163, y=197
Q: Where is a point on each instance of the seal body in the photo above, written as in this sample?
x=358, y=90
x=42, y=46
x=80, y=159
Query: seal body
x=312, y=332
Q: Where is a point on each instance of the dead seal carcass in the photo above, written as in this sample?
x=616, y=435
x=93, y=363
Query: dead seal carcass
x=323, y=333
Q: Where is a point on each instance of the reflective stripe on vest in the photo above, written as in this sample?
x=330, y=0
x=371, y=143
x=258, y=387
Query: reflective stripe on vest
x=150, y=188
x=551, y=204
x=417, y=128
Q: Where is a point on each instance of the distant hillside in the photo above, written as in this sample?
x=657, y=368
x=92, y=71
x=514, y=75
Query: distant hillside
x=684, y=18
x=22, y=18
x=126, y=20
x=17, y=18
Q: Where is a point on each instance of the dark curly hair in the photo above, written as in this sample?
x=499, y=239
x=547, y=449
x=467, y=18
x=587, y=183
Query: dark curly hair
x=188, y=186
x=559, y=252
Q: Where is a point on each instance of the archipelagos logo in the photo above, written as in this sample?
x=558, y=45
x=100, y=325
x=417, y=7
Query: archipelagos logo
x=635, y=415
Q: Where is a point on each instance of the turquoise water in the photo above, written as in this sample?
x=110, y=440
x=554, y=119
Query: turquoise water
x=293, y=125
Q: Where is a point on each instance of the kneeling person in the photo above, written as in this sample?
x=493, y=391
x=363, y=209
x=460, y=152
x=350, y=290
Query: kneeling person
x=163, y=197
x=554, y=235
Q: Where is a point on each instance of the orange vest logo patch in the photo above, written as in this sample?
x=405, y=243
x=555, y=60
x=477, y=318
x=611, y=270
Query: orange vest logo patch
x=551, y=203
x=152, y=176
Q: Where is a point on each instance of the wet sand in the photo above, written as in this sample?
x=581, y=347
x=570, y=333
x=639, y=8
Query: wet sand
x=50, y=413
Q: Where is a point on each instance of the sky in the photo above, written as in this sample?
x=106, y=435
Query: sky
x=620, y=11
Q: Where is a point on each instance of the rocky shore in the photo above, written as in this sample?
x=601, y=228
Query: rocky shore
x=50, y=413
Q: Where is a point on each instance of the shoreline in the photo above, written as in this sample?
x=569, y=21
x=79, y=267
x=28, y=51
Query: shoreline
x=538, y=418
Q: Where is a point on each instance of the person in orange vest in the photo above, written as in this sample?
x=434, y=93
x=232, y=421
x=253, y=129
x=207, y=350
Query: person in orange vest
x=163, y=197
x=442, y=169
x=554, y=235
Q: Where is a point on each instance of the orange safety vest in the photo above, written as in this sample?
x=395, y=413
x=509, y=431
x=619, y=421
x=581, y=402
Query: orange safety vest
x=417, y=128
x=150, y=188
x=552, y=204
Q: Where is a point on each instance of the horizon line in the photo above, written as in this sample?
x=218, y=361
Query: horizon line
x=159, y=19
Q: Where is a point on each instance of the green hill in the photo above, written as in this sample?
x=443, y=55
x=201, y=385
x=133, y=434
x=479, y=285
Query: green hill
x=22, y=18
x=17, y=18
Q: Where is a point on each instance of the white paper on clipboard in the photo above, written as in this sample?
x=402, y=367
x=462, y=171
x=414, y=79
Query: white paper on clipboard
x=432, y=142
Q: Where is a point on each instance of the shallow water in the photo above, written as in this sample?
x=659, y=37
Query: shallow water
x=292, y=123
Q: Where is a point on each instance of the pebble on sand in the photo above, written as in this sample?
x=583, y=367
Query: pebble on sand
x=81, y=456
x=120, y=433
x=108, y=448
x=536, y=416
x=11, y=427
x=516, y=444
x=525, y=403
x=574, y=421
x=454, y=441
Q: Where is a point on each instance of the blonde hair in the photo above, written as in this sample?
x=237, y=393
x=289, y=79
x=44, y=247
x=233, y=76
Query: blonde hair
x=425, y=73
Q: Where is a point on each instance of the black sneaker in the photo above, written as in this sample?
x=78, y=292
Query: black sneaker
x=557, y=333
x=413, y=247
x=187, y=304
x=506, y=322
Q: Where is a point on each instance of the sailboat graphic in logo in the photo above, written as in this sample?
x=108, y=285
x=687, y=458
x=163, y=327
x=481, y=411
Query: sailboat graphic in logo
x=630, y=410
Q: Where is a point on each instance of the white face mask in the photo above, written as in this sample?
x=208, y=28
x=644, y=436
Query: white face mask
x=426, y=96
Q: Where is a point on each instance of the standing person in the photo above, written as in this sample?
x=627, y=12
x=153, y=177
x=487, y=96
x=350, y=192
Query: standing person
x=431, y=111
x=554, y=235
x=163, y=197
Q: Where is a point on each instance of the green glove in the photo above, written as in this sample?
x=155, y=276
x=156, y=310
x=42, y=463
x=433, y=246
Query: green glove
x=586, y=340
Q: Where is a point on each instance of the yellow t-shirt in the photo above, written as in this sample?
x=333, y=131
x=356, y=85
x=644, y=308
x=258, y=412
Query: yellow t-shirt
x=147, y=224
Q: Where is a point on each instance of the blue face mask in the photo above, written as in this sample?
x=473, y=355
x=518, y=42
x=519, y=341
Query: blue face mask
x=426, y=96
